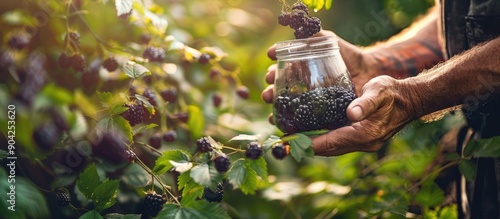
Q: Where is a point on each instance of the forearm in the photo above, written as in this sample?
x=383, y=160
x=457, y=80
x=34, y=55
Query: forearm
x=464, y=79
x=408, y=53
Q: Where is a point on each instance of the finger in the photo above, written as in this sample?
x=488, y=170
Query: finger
x=267, y=94
x=271, y=72
x=271, y=119
x=271, y=52
x=362, y=107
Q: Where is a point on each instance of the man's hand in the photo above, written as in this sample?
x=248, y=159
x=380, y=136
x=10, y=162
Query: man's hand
x=384, y=108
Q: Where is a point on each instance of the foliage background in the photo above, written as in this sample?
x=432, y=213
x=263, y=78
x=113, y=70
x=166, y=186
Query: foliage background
x=382, y=184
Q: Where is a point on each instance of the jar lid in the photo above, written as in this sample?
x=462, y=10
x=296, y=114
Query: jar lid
x=306, y=46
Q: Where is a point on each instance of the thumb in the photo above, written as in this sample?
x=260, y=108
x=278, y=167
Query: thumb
x=362, y=107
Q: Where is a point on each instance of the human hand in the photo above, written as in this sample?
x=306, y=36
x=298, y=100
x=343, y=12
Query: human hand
x=385, y=107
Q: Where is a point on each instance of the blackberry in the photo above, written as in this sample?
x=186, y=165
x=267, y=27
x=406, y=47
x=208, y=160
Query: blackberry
x=64, y=61
x=154, y=54
x=321, y=108
x=284, y=19
x=170, y=136
x=109, y=145
x=243, y=92
x=130, y=156
x=19, y=41
x=183, y=117
x=46, y=136
x=78, y=62
x=62, y=198
x=214, y=196
x=280, y=151
x=254, y=150
x=134, y=114
x=110, y=64
x=151, y=96
x=216, y=100
x=297, y=19
x=145, y=39
x=204, y=59
x=214, y=74
x=300, y=6
x=203, y=144
x=153, y=203
x=155, y=140
x=222, y=163
x=74, y=39
x=169, y=95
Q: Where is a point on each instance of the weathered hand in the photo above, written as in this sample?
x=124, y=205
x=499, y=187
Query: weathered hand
x=384, y=108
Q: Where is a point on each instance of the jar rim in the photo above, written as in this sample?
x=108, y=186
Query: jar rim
x=311, y=44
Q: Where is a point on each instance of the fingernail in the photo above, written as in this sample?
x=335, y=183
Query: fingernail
x=357, y=112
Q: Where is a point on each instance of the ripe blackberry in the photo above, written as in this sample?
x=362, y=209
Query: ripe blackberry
x=204, y=59
x=170, y=136
x=297, y=19
x=222, y=163
x=74, y=39
x=300, y=6
x=284, y=19
x=153, y=203
x=62, y=198
x=280, y=151
x=78, y=62
x=216, y=100
x=154, y=54
x=243, y=92
x=64, y=61
x=130, y=156
x=254, y=150
x=155, y=140
x=151, y=96
x=19, y=41
x=169, y=95
x=46, y=136
x=214, y=196
x=109, y=145
x=203, y=144
x=110, y=64
x=134, y=114
x=183, y=117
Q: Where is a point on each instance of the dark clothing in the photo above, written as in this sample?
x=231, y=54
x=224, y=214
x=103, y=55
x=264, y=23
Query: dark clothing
x=467, y=23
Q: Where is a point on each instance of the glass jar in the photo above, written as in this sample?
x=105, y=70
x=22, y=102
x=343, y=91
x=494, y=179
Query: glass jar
x=312, y=86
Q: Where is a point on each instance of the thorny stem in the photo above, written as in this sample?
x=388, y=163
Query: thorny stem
x=165, y=187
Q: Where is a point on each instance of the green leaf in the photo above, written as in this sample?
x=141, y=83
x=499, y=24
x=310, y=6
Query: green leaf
x=163, y=164
x=300, y=146
x=391, y=202
x=91, y=215
x=328, y=4
x=117, y=124
x=259, y=165
x=88, y=181
x=106, y=98
x=242, y=176
x=134, y=175
x=123, y=6
x=468, y=169
x=104, y=194
x=135, y=70
x=205, y=175
x=146, y=103
x=3, y=154
x=143, y=128
x=269, y=142
x=243, y=137
x=198, y=209
x=429, y=195
x=190, y=189
x=485, y=147
x=122, y=216
x=117, y=110
x=29, y=201
x=196, y=121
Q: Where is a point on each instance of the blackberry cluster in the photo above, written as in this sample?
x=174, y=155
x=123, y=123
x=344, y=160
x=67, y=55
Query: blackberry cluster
x=203, y=144
x=62, y=198
x=214, y=196
x=222, y=163
x=153, y=203
x=299, y=20
x=134, y=114
x=254, y=150
x=321, y=108
x=110, y=64
x=154, y=54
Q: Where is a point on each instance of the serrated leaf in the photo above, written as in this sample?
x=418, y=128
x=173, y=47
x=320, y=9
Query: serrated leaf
x=242, y=176
x=181, y=167
x=135, y=70
x=468, y=169
x=123, y=6
x=117, y=110
x=269, y=142
x=205, y=175
x=300, y=147
x=146, y=103
x=243, y=137
x=143, y=128
x=91, y=215
x=122, y=216
x=429, y=195
x=197, y=209
x=30, y=202
x=190, y=189
x=391, y=202
x=259, y=165
x=88, y=181
x=104, y=194
x=196, y=121
x=123, y=126
x=134, y=175
x=106, y=98
x=162, y=164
